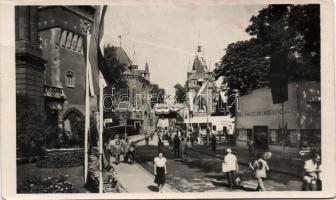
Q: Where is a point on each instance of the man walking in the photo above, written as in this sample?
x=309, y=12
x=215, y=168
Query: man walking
x=126, y=150
x=213, y=142
x=111, y=147
x=230, y=167
x=183, y=150
x=250, y=148
x=107, y=152
x=147, y=138
x=176, y=146
x=132, y=152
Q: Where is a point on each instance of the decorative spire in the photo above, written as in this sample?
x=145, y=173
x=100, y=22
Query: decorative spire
x=134, y=60
x=146, y=68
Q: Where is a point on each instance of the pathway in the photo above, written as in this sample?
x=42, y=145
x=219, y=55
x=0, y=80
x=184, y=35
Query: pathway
x=135, y=179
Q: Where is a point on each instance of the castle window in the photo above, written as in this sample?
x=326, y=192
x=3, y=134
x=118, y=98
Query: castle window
x=79, y=44
x=70, y=79
x=69, y=41
x=63, y=38
x=74, y=42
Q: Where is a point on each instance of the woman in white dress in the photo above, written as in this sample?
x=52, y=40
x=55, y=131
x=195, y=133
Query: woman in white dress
x=160, y=171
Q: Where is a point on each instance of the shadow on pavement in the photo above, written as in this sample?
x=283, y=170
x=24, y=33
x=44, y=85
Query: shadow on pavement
x=153, y=188
x=218, y=177
x=227, y=186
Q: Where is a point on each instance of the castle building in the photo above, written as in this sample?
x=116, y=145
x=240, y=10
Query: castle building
x=204, y=99
x=50, y=64
x=30, y=65
x=200, y=84
x=61, y=31
x=132, y=104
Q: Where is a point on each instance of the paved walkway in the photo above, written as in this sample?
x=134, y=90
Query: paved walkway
x=135, y=179
x=203, y=172
x=277, y=163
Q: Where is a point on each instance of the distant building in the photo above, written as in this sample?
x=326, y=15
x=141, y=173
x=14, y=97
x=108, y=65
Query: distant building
x=132, y=104
x=204, y=100
x=199, y=82
x=259, y=120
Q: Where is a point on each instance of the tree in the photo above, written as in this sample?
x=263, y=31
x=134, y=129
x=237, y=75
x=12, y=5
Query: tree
x=180, y=93
x=294, y=29
x=29, y=127
x=115, y=67
x=291, y=28
x=244, y=67
x=157, y=94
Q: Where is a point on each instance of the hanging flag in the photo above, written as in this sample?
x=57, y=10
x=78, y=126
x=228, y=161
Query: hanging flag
x=278, y=76
x=201, y=98
x=91, y=46
x=190, y=101
x=201, y=90
x=101, y=60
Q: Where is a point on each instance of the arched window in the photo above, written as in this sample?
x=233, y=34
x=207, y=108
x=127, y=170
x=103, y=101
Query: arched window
x=74, y=42
x=74, y=127
x=69, y=41
x=79, y=44
x=63, y=38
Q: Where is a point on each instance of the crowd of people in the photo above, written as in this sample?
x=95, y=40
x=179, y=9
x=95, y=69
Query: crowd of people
x=117, y=147
x=180, y=142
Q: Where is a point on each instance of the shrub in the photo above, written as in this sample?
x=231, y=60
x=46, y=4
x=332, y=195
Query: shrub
x=46, y=185
x=30, y=130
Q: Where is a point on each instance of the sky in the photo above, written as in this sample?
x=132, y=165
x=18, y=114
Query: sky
x=166, y=35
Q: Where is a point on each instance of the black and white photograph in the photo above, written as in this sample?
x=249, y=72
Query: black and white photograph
x=179, y=97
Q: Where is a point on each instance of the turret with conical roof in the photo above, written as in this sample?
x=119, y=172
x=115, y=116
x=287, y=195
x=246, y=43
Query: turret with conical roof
x=146, y=72
x=134, y=65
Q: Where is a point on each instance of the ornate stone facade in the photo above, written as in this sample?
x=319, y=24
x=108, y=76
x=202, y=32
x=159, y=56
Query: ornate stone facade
x=199, y=81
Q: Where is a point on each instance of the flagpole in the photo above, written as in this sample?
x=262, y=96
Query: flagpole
x=87, y=110
x=283, y=130
x=100, y=133
x=206, y=106
x=102, y=84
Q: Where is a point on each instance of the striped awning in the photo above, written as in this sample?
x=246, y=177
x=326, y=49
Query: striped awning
x=163, y=109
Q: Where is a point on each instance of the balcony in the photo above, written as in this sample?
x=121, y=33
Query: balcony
x=54, y=92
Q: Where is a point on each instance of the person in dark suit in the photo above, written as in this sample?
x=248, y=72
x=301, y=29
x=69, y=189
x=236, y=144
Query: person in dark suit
x=176, y=146
x=213, y=142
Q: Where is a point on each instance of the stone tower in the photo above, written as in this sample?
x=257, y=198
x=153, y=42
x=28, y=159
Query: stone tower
x=30, y=65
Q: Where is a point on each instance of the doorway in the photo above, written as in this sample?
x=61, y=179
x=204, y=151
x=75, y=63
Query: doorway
x=260, y=137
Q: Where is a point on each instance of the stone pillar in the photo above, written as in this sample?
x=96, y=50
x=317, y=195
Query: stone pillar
x=60, y=122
